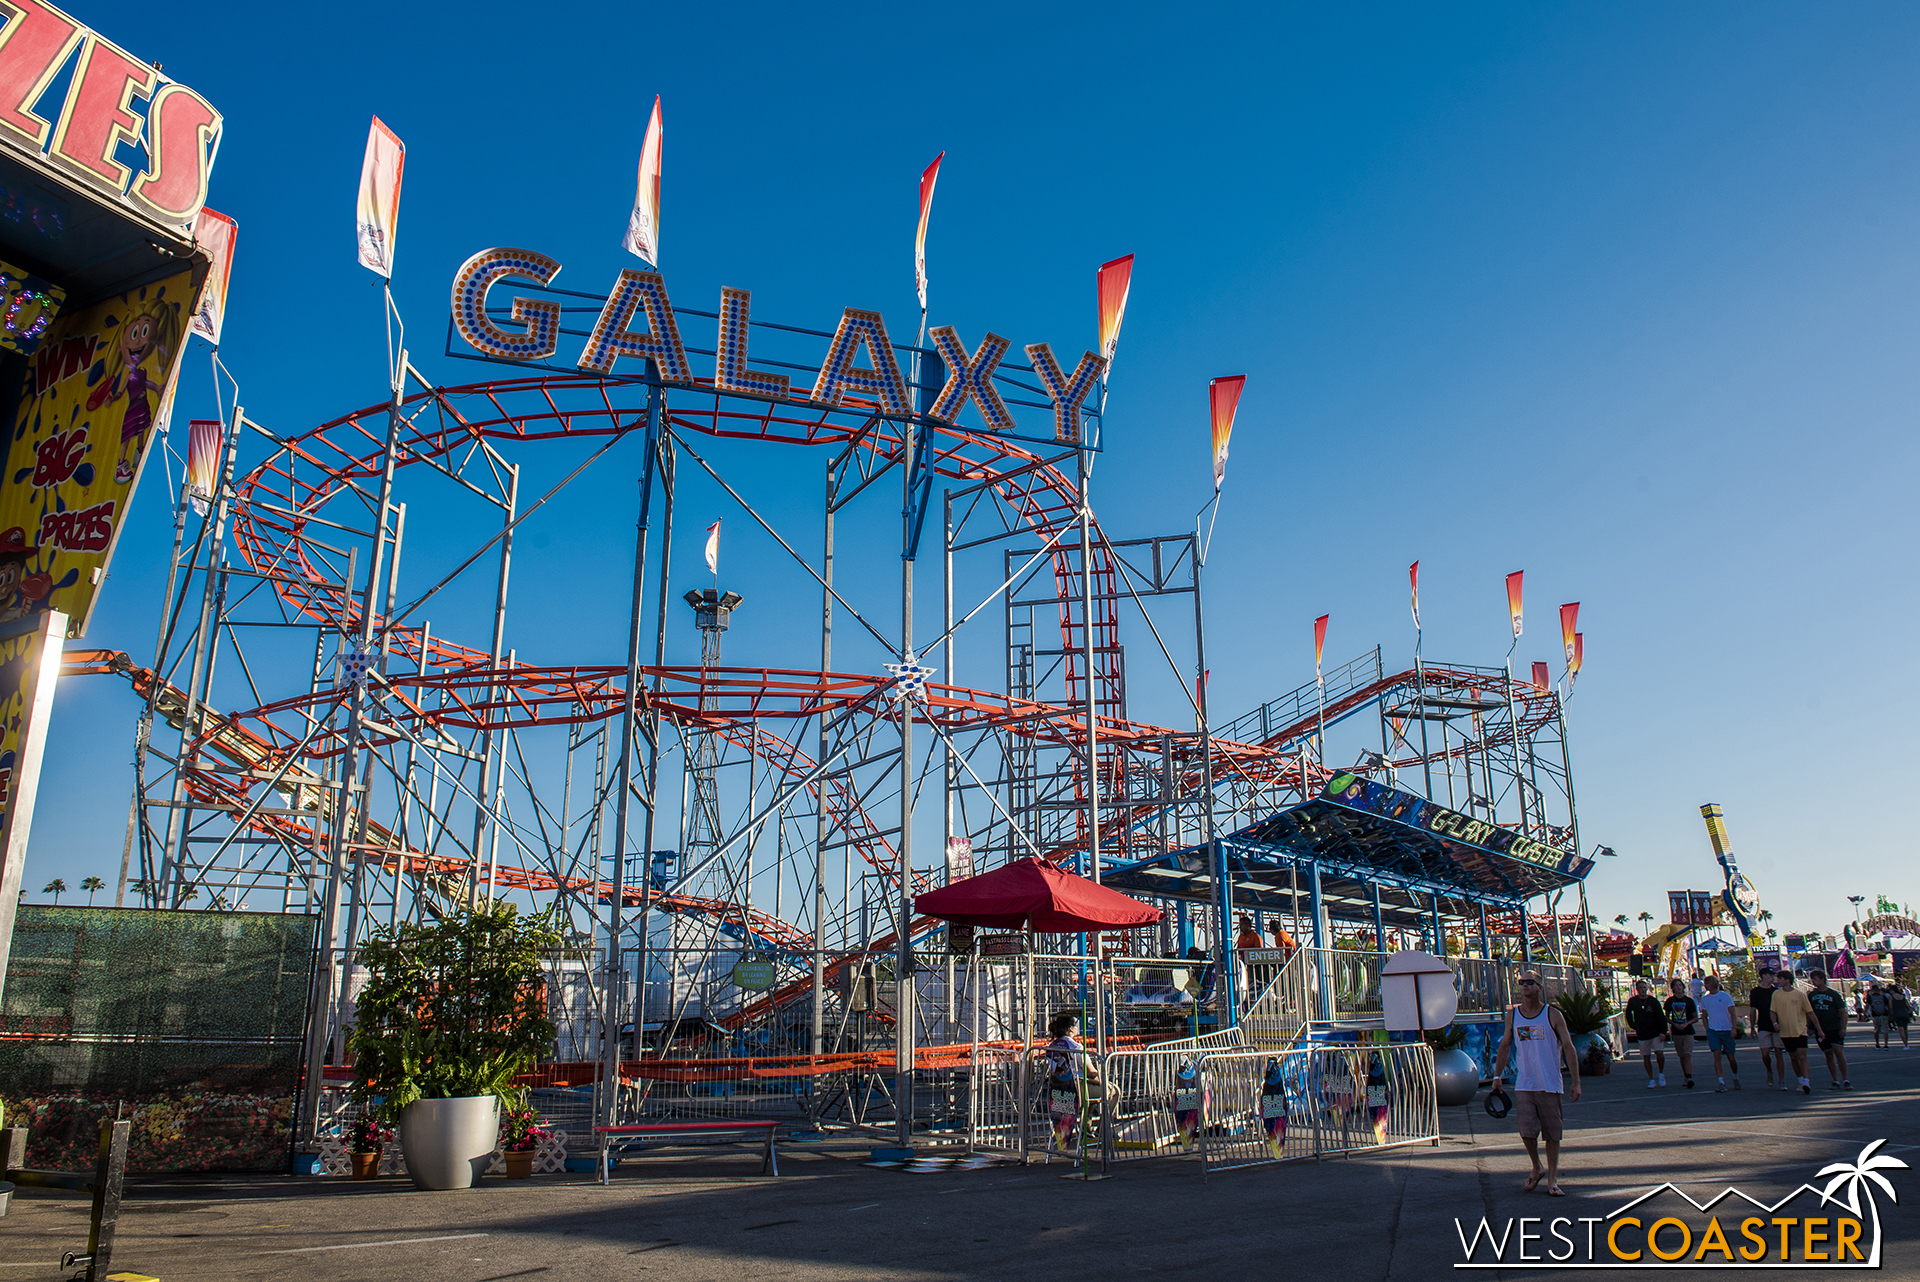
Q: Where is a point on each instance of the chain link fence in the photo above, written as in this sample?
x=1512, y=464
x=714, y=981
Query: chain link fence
x=193, y=1022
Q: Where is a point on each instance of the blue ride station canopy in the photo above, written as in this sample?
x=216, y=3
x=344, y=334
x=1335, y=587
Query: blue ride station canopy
x=1364, y=836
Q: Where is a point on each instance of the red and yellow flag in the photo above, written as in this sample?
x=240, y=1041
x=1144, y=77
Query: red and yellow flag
x=1513, y=599
x=1569, y=620
x=1114, y=280
x=1542, y=676
x=927, y=180
x=377, y=216
x=643, y=224
x=215, y=233
x=1413, y=581
x=204, y=437
x=1223, y=400
x=1319, y=642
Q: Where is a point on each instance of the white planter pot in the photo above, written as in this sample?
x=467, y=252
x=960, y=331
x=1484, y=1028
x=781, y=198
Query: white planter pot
x=449, y=1142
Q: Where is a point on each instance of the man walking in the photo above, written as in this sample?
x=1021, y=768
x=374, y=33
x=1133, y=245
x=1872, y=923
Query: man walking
x=1538, y=1041
x=1649, y=1025
x=1682, y=1012
x=1899, y=1013
x=1716, y=1008
x=1765, y=1038
x=1877, y=1007
x=1791, y=1015
x=1830, y=1008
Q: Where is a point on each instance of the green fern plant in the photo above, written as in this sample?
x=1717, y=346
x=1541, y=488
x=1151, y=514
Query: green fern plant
x=1584, y=1012
x=452, y=1008
x=1450, y=1038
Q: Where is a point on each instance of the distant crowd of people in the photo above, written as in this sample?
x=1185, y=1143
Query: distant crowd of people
x=1787, y=1020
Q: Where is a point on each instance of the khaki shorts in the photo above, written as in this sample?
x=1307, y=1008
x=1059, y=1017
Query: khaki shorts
x=1539, y=1113
x=1683, y=1043
x=1766, y=1039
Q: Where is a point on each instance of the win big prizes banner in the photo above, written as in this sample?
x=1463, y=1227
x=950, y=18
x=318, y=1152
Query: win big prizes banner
x=98, y=391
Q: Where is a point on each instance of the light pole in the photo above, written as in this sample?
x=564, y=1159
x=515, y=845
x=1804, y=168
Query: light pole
x=1856, y=901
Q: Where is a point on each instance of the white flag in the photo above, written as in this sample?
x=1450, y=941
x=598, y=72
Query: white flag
x=378, y=210
x=713, y=548
x=643, y=224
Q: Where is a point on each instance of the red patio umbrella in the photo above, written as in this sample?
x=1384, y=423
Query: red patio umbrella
x=1032, y=892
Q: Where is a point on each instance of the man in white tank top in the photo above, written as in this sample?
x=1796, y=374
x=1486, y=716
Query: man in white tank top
x=1537, y=1040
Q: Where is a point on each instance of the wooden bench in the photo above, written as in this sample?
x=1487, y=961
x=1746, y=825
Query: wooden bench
x=693, y=1133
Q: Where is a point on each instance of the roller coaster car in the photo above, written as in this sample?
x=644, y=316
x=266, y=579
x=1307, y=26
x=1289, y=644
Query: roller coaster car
x=683, y=1033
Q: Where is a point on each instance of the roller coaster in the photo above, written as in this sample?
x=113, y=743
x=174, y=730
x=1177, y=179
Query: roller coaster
x=308, y=742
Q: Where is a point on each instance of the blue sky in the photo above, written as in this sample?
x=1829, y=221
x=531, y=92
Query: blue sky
x=1620, y=297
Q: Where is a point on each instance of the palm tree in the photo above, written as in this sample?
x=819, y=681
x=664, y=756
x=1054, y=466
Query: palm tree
x=93, y=886
x=1621, y=920
x=1644, y=919
x=57, y=887
x=143, y=888
x=1855, y=1175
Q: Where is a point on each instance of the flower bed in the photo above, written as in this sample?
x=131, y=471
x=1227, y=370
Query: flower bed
x=195, y=1131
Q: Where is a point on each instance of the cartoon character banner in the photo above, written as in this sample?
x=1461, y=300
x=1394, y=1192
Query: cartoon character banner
x=97, y=394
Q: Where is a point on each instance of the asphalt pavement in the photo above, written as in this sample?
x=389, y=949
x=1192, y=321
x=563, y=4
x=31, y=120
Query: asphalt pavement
x=707, y=1216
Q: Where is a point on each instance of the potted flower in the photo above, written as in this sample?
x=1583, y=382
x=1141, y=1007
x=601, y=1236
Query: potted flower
x=368, y=1136
x=520, y=1136
x=452, y=1012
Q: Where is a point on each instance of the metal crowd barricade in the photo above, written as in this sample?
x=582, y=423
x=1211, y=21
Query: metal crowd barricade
x=1237, y=1108
x=1331, y=1099
x=1150, y=1101
x=998, y=1110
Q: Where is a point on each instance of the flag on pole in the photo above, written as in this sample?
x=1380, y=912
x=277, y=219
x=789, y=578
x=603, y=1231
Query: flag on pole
x=1513, y=600
x=713, y=548
x=1223, y=399
x=1542, y=677
x=1319, y=643
x=1114, y=280
x=1569, y=620
x=1579, y=657
x=643, y=224
x=214, y=233
x=203, y=460
x=1413, y=581
x=379, y=210
x=927, y=180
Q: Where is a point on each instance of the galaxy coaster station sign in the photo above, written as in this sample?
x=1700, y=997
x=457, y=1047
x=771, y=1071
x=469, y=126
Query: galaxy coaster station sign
x=531, y=332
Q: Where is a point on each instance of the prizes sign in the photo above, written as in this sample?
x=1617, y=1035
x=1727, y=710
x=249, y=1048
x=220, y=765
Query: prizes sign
x=97, y=394
x=114, y=111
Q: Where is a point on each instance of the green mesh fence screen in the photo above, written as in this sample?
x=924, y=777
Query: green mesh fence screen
x=193, y=1022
